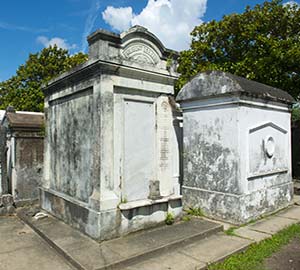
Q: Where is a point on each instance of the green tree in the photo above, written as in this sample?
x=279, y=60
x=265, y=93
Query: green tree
x=261, y=44
x=23, y=90
x=296, y=113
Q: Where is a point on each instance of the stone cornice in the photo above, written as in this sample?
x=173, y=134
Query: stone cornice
x=99, y=67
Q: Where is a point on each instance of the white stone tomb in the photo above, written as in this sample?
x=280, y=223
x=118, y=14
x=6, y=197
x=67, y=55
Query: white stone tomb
x=237, y=147
x=111, y=150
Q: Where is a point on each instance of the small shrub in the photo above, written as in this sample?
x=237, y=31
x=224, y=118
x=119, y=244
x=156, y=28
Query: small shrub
x=169, y=219
x=124, y=200
x=198, y=212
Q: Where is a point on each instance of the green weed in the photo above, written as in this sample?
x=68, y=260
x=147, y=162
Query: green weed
x=169, y=219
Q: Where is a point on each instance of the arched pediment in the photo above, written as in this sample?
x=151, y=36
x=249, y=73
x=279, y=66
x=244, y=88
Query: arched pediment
x=269, y=124
x=141, y=52
x=143, y=33
x=140, y=45
x=136, y=45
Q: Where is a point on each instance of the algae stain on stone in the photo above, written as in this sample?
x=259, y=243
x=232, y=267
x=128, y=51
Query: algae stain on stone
x=209, y=164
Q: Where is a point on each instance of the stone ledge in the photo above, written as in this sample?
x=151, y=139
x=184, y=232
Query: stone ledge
x=65, y=197
x=26, y=202
x=103, y=225
x=142, y=203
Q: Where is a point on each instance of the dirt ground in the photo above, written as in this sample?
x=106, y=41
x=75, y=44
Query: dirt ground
x=288, y=258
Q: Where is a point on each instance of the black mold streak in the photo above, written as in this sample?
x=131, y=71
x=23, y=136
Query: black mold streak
x=213, y=166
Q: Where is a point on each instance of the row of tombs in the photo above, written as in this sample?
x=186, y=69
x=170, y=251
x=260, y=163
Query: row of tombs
x=120, y=152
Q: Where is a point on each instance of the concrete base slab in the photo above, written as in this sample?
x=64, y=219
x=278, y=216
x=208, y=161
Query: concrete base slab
x=122, y=252
x=196, y=255
x=186, y=245
x=172, y=260
x=216, y=248
x=225, y=225
x=271, y=225
x=292, y=213
x=92, y=255
x=251, y=234
x=22, y=249
x=35, y=258
x=164, y=237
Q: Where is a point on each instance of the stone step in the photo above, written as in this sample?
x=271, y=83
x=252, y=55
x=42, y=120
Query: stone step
x=85, y=253
x=197, y=255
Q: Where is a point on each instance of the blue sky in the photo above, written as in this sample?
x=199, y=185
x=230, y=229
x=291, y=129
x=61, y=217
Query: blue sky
x=28, y=26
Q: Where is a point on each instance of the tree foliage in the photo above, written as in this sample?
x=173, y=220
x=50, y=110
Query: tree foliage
x=261, y=44
x=23, y=90
x=295, y=114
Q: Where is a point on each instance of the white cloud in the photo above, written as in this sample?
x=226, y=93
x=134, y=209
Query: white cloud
x=171, y=20
x=8, y=26
x=118, y=18
x=291, y=3
x=59, y=42
x=93, y=13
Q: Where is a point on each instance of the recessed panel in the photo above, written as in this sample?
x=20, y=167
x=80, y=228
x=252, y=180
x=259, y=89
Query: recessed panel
x=267, y=150
x=139, y=130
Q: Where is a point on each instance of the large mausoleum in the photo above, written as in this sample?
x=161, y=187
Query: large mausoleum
x=111, y=149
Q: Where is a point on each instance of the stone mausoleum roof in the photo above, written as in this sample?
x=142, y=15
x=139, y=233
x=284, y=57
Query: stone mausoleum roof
x=25, y=120
x=219, y=83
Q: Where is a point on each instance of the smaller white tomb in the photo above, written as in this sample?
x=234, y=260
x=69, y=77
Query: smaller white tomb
x=237, y=147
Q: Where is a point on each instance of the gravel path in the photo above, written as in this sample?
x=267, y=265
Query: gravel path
x=288, y=258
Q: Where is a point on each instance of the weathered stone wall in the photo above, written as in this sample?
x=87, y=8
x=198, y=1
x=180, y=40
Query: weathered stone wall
x=22, y=154
x=210, y=154
x=110, y=137
x=228, y=175
x=265, y=170
x=3, y=161
x=296, y=149
x=237, y=147
x=70, y=127
x=28, y=166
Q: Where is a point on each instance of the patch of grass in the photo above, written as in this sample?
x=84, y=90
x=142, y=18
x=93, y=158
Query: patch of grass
x=252, y=221
x=254, y=256
x=186, y=218
x=230, y=231
x=169, y=219
x=198, y=212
